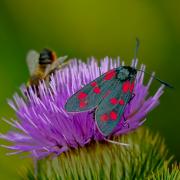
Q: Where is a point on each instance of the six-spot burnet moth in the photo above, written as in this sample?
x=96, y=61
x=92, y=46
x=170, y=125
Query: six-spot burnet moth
x=108, y=95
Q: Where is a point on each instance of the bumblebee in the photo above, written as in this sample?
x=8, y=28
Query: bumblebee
x=42, y=65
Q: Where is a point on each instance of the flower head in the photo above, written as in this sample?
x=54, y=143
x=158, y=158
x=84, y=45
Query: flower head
x=44, y=127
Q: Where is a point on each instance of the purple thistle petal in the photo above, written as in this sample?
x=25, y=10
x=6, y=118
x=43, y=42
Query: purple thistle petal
x=44, y=127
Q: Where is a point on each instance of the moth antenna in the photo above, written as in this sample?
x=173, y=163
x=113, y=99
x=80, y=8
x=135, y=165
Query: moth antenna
x=117, y=143
x=161, y=81
x=136, y=48
x=100, y=71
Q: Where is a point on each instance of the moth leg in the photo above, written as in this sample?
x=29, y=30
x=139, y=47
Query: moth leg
x=82, y=85
x=132, y=97
x=100, y=71
x=115, y=142
x=125, y=123
x=93, y=113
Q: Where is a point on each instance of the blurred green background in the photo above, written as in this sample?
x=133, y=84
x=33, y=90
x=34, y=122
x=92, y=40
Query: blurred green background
x=92, y=28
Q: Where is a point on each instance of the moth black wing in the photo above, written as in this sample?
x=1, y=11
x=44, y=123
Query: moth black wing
x=109, y=112
x=93, y=93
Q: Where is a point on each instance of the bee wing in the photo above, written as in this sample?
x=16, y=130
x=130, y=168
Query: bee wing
x=61, y=59
x=55, y=65
x=32, y=61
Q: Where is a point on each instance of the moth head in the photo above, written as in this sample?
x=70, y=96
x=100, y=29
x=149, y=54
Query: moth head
x=127, y=72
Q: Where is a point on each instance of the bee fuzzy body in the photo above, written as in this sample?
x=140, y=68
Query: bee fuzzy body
x=42, y=65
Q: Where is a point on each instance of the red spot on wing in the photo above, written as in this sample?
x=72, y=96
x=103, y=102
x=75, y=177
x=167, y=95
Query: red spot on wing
x=82, y=104
x=82, y=95
x=113, y=115
x=93, y=84
x=126, y=86
x=132, y=87
x=121, y=102
x=109, y=75
x=104, y=117
x=97, y=90
x=113, y=101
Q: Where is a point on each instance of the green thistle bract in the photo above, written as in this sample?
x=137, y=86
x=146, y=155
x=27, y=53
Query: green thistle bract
x=146, y=158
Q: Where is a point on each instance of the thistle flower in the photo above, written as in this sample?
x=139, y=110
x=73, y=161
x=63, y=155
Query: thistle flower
x=45, y=128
